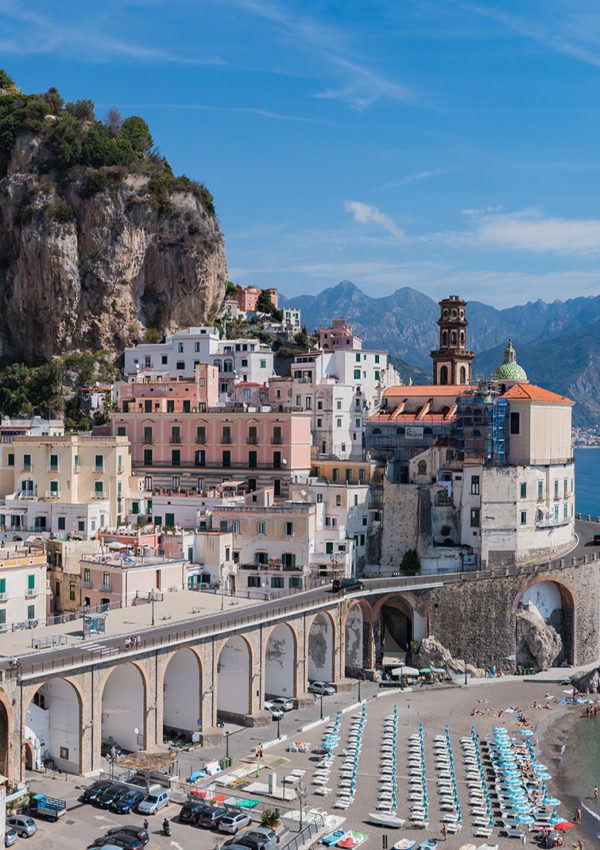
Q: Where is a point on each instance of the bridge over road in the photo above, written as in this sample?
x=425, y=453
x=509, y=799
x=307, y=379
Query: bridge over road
x=65, y=702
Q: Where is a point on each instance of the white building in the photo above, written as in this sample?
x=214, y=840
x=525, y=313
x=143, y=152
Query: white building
x=176, y=357
x=23, y=586
x=242, y=360
x=292, y=317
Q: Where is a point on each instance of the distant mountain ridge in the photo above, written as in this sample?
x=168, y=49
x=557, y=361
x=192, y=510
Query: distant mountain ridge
x=557, y=343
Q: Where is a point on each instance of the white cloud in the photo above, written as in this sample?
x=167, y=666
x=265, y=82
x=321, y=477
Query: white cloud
x=363, y=87
x=415, y=178
x=529, y=230
x=366, y=214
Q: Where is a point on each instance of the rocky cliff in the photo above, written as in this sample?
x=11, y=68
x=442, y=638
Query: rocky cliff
x=98, y=240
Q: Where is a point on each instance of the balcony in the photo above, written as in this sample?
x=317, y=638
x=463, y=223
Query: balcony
x=26, y=467
x=86, y=585
x=226, y=440
x=276, y=441
x=3, y=597
x=53, y=468
x=105, y=588
x=252, y=441
x=53, y=494
x=31, y=591
x=98, y=494
x=99, y=468
x=175, y=440
x=552, y=521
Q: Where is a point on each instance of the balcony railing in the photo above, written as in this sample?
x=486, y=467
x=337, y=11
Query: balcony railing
x=276, y=441
x=26, y=467
x=3, y=597
x=86, y=585
x=31, y=591
x=98, y=494
x=98, y=468
x=53, y=494
x=225, y=440
x=105, y=588
x=175, y=439
x=252, y=441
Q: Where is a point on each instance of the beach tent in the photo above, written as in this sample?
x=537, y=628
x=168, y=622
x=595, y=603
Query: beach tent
x=405, y=671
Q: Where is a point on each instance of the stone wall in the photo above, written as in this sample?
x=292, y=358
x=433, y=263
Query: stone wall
x=400, y=523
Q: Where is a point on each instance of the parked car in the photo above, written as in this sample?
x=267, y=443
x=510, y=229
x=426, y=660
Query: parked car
x=94, y=790
x=276, y=713
x=258, y=838
x=283, y=703
x=23, y=825
x=346, y=584
x=123, y=805
x=321, y=688
x=10, y=837
x=105, y=847
x=120, y=839
x=191, y=812
x=210, y=817
x=234, y=821
x=154, y=802
x=133, y=831
x=110, y=796
x=596, y=540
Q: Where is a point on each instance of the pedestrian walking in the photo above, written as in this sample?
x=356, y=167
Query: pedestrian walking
x=595, y=792
x=444, y=831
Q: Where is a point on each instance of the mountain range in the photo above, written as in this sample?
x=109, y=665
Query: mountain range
x=557, y=343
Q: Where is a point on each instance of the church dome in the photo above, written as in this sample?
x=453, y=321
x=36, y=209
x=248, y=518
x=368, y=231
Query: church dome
x=510, y=369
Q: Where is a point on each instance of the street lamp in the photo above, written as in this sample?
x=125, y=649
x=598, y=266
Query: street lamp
x=227, y=743
x=321, y=706
x=359, y=690
x=278, y=734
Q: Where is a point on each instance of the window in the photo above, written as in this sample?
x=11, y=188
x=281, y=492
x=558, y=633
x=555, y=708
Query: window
x=62, y=524
x=186, y=405
x=377, y=358
x=253, y=581
x=474, y=517
x=295, y=581
x=276, y=460
x=319, y=405
x=164, y=360
x=523, y=517
x=566, y=511
x=170, y=406
x=329, y=548
x=200, y=457
x=277, y=438
x=515, y=423
x=99, y=489
x=475, y=485
x=556, y=512
x=335, y=474
x=261, y=558
x=148, y=434
x=148, y=405
x=376, y=374
x=357, y=358
x=289, y=529
x=319, y=498
x=357, y=374
x=27, y=462
x=81, y=525
x=263, y=364
x=175, y=457
x=180, y=347
x=180, y=365
x=260, y=527
x=54, y=488
x=308, y=402
x=135, y=507
x=54, y=464
x=277, y=581
x=31, y=612
x=99, y=463
x=147, y=457
x=556, y=488
x=72, y=591
x=226, y=434
x=226, y=458
x=540, y=490
x=236, y=526
x=338, y=501
x=361, y=476
x=10, y=461
x=357, y=423
x=2, y=616
x=338, y=422
x=170, y=520
x=253, y=459
x=200, y=434
x=566, y=487
x=121, y=431
x=175, y=434
x=524, y=491
x=253, y=435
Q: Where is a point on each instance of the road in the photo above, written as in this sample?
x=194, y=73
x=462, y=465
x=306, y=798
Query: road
x=65, y=657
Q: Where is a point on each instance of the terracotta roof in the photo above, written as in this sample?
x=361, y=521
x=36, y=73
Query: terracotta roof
x=404, y=418
x=430, y=390
x=523, y=392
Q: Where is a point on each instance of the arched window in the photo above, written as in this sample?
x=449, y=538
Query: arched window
x=463, y=375
x=453, y=338
x=421, y=468
x=462, y=337
x=444, y=375
x=445, y=410
x=377, y=430
x=444, y=339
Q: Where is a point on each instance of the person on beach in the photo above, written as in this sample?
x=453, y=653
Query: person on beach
x=595, y=792
x=578, y=814
x=444, y=832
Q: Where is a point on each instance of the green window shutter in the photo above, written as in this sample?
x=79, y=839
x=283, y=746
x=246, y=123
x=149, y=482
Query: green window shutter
x=31, y=612
x=169, y=520
x=2, y=585
x=2, y=616
x=31, y=582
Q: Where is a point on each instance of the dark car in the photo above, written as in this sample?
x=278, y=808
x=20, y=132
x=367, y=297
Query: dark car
x=133, y=831
x=120, y=839
x=123, y=805
x=596, y=540
x=110, y=796
x=210, y=818
x=252, y=841
x=191, y=812
x=346, y=584
x=94, y=790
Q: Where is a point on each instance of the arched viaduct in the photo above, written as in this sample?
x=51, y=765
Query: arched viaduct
x=65, y=703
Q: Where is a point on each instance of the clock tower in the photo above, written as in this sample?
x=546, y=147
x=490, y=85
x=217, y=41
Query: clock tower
x=452, y=362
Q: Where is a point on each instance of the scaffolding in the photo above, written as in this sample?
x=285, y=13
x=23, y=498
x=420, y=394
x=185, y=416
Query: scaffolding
x=481, y=426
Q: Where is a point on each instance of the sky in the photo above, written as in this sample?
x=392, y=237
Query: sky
x=445, y=145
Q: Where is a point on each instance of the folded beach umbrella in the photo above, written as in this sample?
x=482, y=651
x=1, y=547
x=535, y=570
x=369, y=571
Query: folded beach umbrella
x=564, y=824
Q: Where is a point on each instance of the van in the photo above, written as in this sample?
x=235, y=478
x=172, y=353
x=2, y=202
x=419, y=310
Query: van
x=346, y=584
x=154, y=802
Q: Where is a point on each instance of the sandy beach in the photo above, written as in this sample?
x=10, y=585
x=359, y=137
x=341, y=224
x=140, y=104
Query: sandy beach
x=435, y=708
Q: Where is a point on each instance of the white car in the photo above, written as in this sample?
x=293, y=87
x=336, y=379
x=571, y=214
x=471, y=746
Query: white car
x=283, y=703
x=234, y=822
x=275, y=711
x=321, y=688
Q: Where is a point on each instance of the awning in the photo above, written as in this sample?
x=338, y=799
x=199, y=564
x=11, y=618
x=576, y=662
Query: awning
x=405, y=671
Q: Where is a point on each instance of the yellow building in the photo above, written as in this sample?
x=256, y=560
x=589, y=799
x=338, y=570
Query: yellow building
x=69, y=485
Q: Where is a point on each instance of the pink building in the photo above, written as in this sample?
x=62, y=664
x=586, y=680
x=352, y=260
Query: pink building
x=248, y=297
x=134, y=540
x=120, y=578
x=199, y=450
x=177, y=396
x=339, y=335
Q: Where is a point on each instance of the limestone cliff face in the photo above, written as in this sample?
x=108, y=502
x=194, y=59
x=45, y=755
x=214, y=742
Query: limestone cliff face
x=85, y=268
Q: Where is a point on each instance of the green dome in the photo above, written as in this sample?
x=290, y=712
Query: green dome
x=510, y=372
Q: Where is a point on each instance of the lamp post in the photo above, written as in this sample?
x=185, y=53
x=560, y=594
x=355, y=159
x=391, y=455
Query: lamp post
x=278, y=733
x=321, y=706
x=227, y=743
x=359, y=690
x=301, y=793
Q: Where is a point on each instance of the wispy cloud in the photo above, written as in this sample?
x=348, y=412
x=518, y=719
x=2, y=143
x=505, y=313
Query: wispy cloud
x=364, y=87
x=529, y=230
x=415, y=178
x=366, y=214
x=250, y=110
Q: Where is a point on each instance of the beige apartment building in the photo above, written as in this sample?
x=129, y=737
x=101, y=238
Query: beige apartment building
x=67, y=485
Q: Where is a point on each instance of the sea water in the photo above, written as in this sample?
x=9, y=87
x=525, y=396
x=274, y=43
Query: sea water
x=580, y=771
x=587, y=481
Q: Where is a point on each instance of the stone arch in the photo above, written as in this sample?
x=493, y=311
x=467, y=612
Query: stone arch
x=422, y=467
x=234, y=668
x=321, y=647
x=281, y=661
x=463, y=375
x=354, y=640
x=555, y=601
x=443, y=375
x=444, y=339
x=182, y=692
x=5, y=730
x=124, y=704
x=53, y=725
x=402, y=617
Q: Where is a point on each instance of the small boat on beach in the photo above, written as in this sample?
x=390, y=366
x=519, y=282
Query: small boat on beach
x=386, y=819
x=404, y=844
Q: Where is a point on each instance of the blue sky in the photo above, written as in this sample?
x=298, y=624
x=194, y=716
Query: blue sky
x=449, y=146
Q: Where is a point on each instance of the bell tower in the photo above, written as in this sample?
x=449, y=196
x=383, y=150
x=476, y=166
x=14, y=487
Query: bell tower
x=452, y=362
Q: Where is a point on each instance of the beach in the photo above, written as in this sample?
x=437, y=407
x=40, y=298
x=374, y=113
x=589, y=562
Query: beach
x=435, y=708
